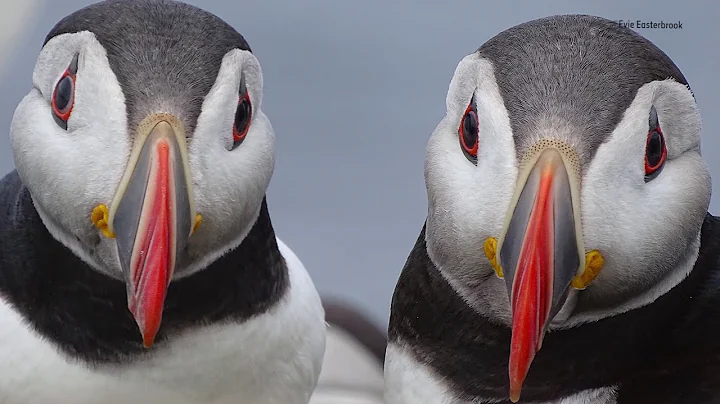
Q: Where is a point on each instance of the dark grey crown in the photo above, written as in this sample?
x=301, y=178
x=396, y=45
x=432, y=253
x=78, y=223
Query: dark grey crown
x=165, y=54
x=579, y=69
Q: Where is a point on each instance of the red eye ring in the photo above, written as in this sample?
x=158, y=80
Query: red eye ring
x=655, y=152
x=243, y=117
x=469, y=132
x=64, y=113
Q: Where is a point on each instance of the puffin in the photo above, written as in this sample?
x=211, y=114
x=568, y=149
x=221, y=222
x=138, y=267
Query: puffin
x=138, y=260
x=352, y=371
x=567, y=255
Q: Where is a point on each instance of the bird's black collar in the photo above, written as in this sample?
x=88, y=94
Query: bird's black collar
x=85, y=313
x=632, y=350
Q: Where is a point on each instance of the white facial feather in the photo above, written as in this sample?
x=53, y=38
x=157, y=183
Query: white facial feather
x=70, y=172
x=467, y=203
x=648, y=233
x=229, y=185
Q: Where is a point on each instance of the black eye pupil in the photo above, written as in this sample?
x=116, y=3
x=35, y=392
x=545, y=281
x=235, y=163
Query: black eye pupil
x=242, y=116
x=654, y=149
x=63, y=93
x=470, y=129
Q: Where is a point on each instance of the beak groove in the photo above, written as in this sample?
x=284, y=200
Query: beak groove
x=152, y=217
x=540, y=252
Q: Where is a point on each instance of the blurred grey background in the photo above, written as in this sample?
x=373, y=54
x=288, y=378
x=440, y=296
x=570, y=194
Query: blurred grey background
x=354, y=89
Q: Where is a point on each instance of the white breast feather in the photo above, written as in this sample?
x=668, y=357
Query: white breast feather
x=274, y=358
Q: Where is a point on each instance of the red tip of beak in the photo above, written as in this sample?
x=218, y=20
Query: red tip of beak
x=533, y=286
x=155, y=253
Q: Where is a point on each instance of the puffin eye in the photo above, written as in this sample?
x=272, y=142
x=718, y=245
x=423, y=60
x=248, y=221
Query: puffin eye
x=63, y=98
x=469, y=132
x=243, y=116
x=655, y=149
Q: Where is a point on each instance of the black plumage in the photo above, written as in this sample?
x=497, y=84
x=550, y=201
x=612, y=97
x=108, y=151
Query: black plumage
x=584, y=72
x=84, y=312
x=666, y=352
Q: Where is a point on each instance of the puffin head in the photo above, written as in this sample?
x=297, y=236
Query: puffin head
x=565, y=183
x=143, y=143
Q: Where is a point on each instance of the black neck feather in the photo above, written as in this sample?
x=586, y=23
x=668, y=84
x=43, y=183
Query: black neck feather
x=85, y=312
x=641, y=351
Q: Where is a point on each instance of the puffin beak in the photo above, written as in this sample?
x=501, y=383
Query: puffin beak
x=540, y=254
x=152, y=217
